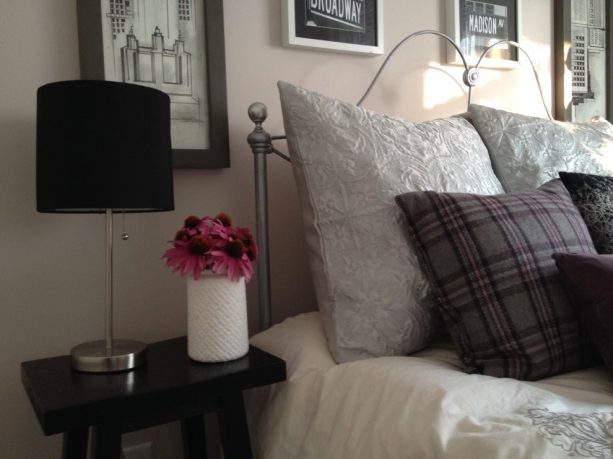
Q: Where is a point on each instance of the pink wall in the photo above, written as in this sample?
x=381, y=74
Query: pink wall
x=51, y=274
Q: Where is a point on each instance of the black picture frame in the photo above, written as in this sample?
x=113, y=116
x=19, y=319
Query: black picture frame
x=476, y=24
x=352, y=26
x=573, y=75
x=90, y=33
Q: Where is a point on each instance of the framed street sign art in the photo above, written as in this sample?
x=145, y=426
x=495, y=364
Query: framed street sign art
x=352, y=26
x=475, y=25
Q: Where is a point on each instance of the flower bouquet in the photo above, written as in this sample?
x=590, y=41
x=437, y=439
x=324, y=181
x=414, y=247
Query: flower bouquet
x=212, y=244
x=217, y=259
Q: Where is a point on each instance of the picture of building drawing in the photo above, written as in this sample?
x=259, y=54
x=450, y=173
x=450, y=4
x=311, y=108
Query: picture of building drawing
x=161, y=44
x=588, y=58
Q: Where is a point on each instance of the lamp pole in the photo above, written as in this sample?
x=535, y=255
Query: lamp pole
x=108, y=321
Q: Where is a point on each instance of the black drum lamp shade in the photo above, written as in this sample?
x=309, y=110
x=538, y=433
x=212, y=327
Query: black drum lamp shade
x=103, y=145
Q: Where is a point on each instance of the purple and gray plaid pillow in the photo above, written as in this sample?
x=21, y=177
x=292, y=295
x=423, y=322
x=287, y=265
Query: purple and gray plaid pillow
x=488, y=259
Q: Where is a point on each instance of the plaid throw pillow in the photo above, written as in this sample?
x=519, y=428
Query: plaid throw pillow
x=488, y=259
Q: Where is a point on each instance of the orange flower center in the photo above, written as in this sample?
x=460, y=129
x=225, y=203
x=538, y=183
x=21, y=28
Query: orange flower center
x=224, y=218
x=192, y=221
x=235, y=249
x=198, y=245
x=182, y=235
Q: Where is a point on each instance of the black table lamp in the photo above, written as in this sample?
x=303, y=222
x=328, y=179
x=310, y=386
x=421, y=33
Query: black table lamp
x=103, y=147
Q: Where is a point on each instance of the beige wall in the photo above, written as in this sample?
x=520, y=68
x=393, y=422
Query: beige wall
x=51, y=273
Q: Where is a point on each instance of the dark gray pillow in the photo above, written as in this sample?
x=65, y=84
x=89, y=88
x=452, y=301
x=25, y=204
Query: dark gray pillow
x=589, y=279
x=488, y=259
x=593, y=196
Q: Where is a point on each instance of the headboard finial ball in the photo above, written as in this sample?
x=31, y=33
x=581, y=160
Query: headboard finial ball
x=471, y=76
x=257, y=112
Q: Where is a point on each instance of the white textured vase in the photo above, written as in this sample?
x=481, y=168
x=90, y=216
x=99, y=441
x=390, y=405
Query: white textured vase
x=216, y=318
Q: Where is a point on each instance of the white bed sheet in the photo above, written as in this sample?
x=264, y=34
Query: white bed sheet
x=420, y=406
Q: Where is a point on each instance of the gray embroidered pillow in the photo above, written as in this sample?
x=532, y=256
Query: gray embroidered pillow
x=349, y=163
x=527, y=151
x=489, y=261
x=593, y=196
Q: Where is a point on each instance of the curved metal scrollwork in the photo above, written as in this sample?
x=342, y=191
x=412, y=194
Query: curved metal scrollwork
x=261, y=145
x=536, y=75
x=402, y=42
x=471, y=74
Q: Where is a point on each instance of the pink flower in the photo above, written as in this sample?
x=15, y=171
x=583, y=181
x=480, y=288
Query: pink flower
x=204, y=226
x=224, y=219
x=247, y=239
x=188, y=256
x=212, y=243
x=191, y=225
x=233, y=260
x=220, y=232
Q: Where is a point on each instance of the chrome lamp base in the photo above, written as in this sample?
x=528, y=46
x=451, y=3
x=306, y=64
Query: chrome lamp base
x=94, y=357
x=108, y=355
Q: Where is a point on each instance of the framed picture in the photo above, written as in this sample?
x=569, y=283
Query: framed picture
x=477, y=24
x=583, y=43
x=176, y=46
x=352, y=26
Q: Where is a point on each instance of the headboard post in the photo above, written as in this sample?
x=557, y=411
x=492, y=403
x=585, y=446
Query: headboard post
x=261, y=145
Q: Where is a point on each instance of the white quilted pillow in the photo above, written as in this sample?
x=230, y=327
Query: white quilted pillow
x=527, y=151
x=349, y=163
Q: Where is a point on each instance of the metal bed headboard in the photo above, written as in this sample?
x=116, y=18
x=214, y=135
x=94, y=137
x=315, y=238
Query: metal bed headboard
x=261, y=143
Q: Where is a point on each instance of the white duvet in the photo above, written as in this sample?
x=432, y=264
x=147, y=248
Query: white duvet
x=419, y=407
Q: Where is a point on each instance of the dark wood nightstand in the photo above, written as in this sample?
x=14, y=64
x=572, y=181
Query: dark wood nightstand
x=169, y=387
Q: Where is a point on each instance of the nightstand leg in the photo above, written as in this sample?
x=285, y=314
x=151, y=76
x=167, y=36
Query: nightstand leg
x=194, y=437
x=233, y=427
x=107, y=442
x=75, y=444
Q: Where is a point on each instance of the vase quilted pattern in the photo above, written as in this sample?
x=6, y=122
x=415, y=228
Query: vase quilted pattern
x=216, y=319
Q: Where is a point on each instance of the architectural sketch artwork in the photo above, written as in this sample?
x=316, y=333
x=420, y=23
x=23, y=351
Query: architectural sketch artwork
x=161, y=44
x=588, y=59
